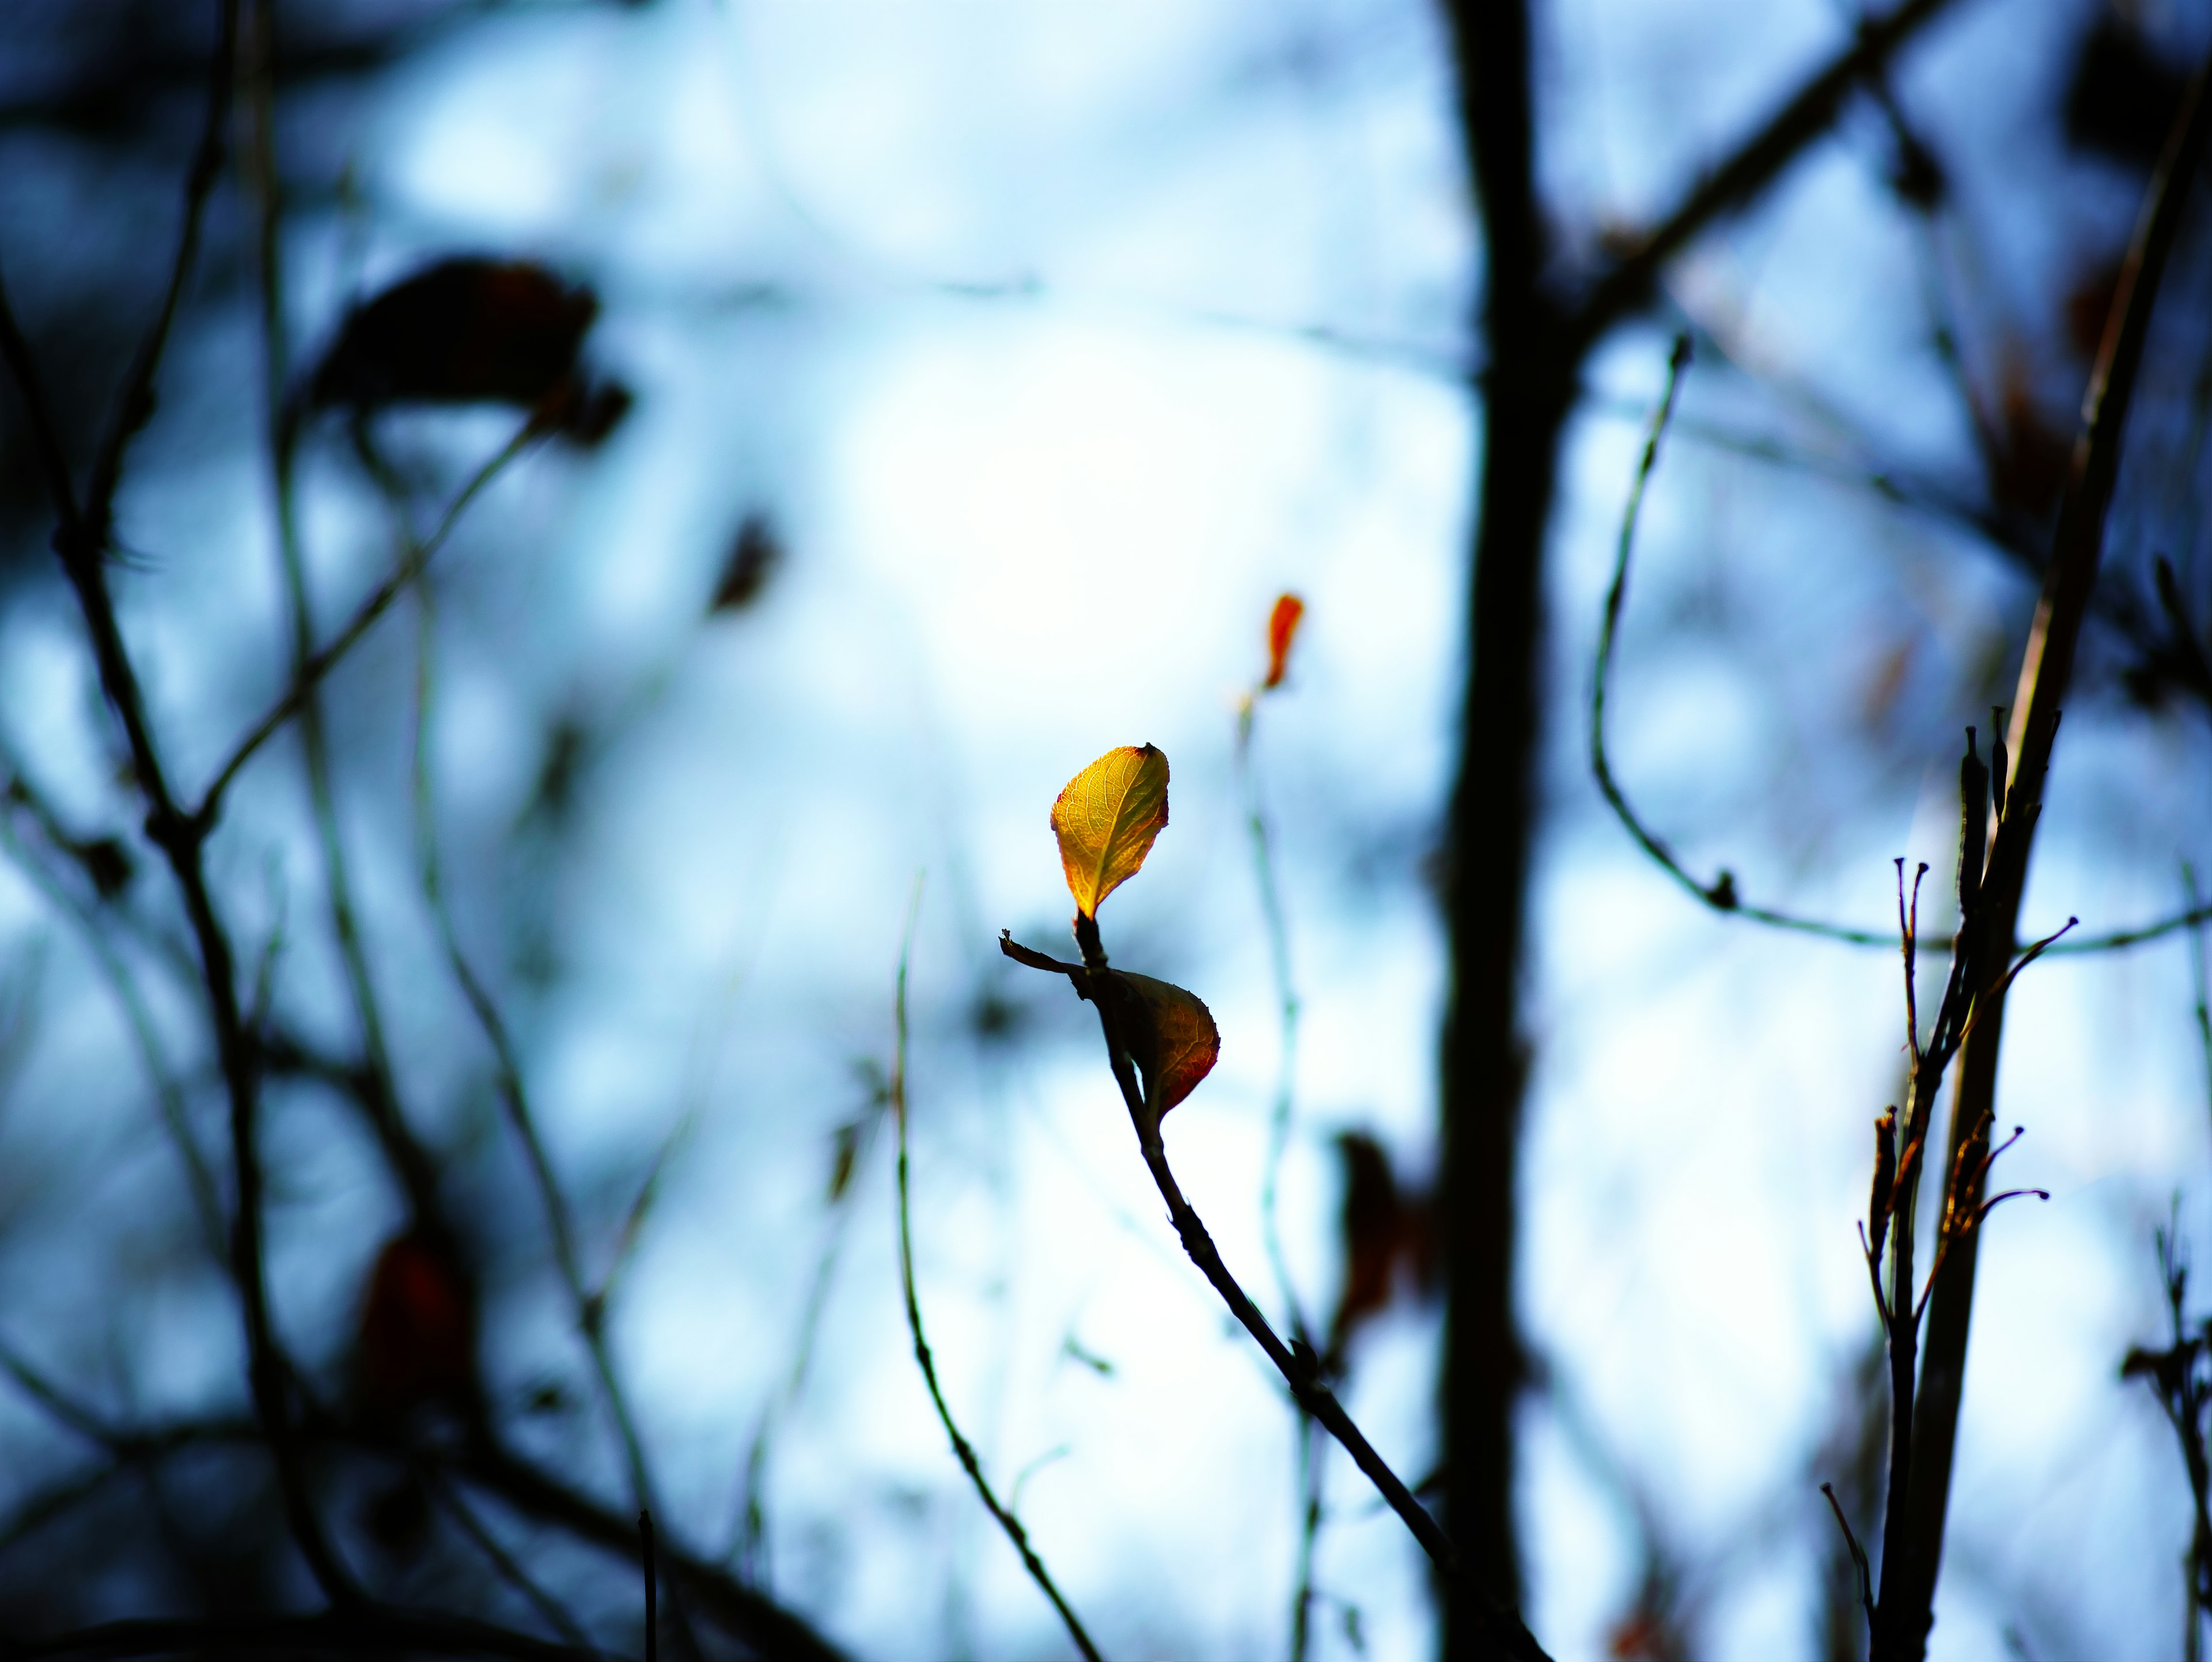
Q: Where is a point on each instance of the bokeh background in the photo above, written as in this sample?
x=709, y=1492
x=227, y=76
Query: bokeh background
x=1041, y=347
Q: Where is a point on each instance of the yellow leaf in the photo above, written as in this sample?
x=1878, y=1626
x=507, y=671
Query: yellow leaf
x=1106, y=820
x=1171, y=1038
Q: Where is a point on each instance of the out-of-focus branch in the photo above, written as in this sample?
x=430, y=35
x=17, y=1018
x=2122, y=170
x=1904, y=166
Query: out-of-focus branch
x=587, y=1307
x=1721, y=894
x=81, y=543
x=380, y=599
x=416, y=1175
x=760, y=1621
x=503, y=1562
x=1740, y=179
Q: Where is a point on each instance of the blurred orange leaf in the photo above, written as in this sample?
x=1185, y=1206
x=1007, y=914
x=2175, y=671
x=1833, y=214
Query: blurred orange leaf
x=1282, y=630
x=1171, y=1038
x=1106, y=820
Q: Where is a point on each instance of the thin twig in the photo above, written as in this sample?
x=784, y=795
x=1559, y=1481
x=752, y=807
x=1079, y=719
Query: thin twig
x=962, y=1449
x=588, y=1310
x=1310, y=1465
x=1301, y=1373
x=1720, y=894
x=747, y=1534
x=1858, y=1553
x=382, y=1100
x=326, y=658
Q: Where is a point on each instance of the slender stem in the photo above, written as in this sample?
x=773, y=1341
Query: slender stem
x=1286, y=1004
x=962, y=1448
x=589, y=1308
x=320, y=662
x=1754, y=165
x=1311, y=1472
x=1309, y=1463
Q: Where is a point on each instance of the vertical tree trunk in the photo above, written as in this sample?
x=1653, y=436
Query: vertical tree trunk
x=1531, y=377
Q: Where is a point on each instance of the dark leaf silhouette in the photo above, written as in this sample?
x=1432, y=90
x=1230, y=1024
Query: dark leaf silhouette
x=754, y=557
x=466, y=330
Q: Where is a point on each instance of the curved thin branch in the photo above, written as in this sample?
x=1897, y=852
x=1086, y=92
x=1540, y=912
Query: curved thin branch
x=1720, y=895
x=961, y=1447
x=1754, y=165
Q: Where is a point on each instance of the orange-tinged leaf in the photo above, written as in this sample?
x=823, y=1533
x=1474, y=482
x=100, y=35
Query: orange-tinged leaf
x=1106, y=820
x=1282, y=630
x=1171, y=1038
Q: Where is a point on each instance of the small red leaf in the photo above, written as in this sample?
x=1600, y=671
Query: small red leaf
x=417, y=1329
x=1282, y=630
x=1170, y=1035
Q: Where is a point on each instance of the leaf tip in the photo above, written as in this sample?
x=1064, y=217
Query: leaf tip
x=1282, y=630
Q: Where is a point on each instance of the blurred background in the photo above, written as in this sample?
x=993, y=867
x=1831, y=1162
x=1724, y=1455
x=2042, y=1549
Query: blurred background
x=986, y=370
